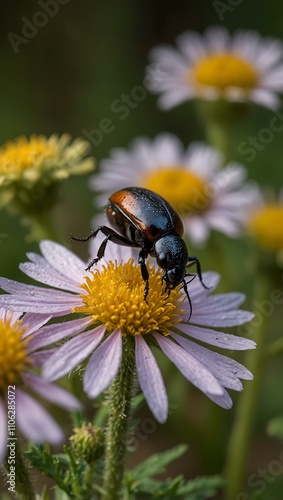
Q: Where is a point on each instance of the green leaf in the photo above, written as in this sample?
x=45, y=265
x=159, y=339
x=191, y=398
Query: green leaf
x=157, y=463
x=202, y=487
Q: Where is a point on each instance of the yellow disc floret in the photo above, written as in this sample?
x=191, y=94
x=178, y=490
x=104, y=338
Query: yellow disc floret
x=224, y=70
x=22, y=154
x=266, y=225
x=13, y=353
x=115, y=297
x=185, y=190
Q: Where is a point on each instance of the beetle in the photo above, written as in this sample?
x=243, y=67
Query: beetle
x=142, y=218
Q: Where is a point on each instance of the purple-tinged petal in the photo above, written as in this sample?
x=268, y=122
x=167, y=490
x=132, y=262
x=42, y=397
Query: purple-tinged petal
x=211, y=358
x=45, y=273
x=196, y=289
x=53, y=393
x=219, y=339
x=3, y=430
x=53, y=333
x=40, y=357
x=71, y=354
x=103, y=365
x=225, y=376
x=63, y=260
x=35, y=422
x=224, y=400
x=42, y=303
x=190, y=367
x=150, y=380
x=224, y=302
x=220, y=319
x=5, y=315
x=33, y=322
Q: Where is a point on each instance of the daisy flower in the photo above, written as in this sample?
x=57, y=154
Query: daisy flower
x=240, y=67
x=206, y=195
x=18, y=357
x=31, y=168
x=265, y=224
x=110, y=312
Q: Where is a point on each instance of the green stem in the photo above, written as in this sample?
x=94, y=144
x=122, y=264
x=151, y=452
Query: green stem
x=219, y=135
x=120, y=394
x=275, y=349
x=240, y=439
x=23, y=484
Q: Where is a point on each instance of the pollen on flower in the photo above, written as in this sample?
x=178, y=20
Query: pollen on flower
x=185, y=190
x=13, y=353
x=19, y=155
x=266, y=225
x=224, y=70
x=114, y=297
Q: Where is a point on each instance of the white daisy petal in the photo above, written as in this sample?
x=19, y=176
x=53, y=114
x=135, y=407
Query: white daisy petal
x=172, y=71
x=103, y=365
x=33, y=322
x=71, y=354
x=159, y=165
x=63, y=260
x=150, y=380
x=55, y=332
x=219, y=339
x=44, y=273
x=190, y=367
x=53, y=393
x=35, y=422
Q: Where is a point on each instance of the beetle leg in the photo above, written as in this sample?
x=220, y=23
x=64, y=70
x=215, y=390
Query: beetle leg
x=188, y=296
x=110, y=234
x=144, y=272
x=107, y=231
x=100, y=253
x=192, y=261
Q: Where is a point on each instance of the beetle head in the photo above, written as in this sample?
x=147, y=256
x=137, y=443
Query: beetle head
x=171, y=254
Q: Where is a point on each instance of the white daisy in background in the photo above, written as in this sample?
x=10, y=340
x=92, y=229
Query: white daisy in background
x=265, y=223
x=109, y=311
x=17, y=359
x=240, y=67
x=206, y=195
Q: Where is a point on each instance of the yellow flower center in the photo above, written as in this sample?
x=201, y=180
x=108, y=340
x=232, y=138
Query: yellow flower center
x=22, y=154
x=13, y=353
x=223, y=71
x=185, y=190
x=267, y=226
x=114, y=297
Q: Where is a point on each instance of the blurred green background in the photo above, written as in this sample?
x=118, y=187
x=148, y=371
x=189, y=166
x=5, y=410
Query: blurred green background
x=65, y=79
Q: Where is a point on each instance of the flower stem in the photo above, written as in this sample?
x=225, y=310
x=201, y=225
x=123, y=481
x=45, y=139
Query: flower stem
x=120, y=394
x=23, y=484
x=241, y=434
x=218, y=135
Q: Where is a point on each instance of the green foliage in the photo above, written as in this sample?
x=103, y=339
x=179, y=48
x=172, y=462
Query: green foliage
x=71, y=474
x=139, y=482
